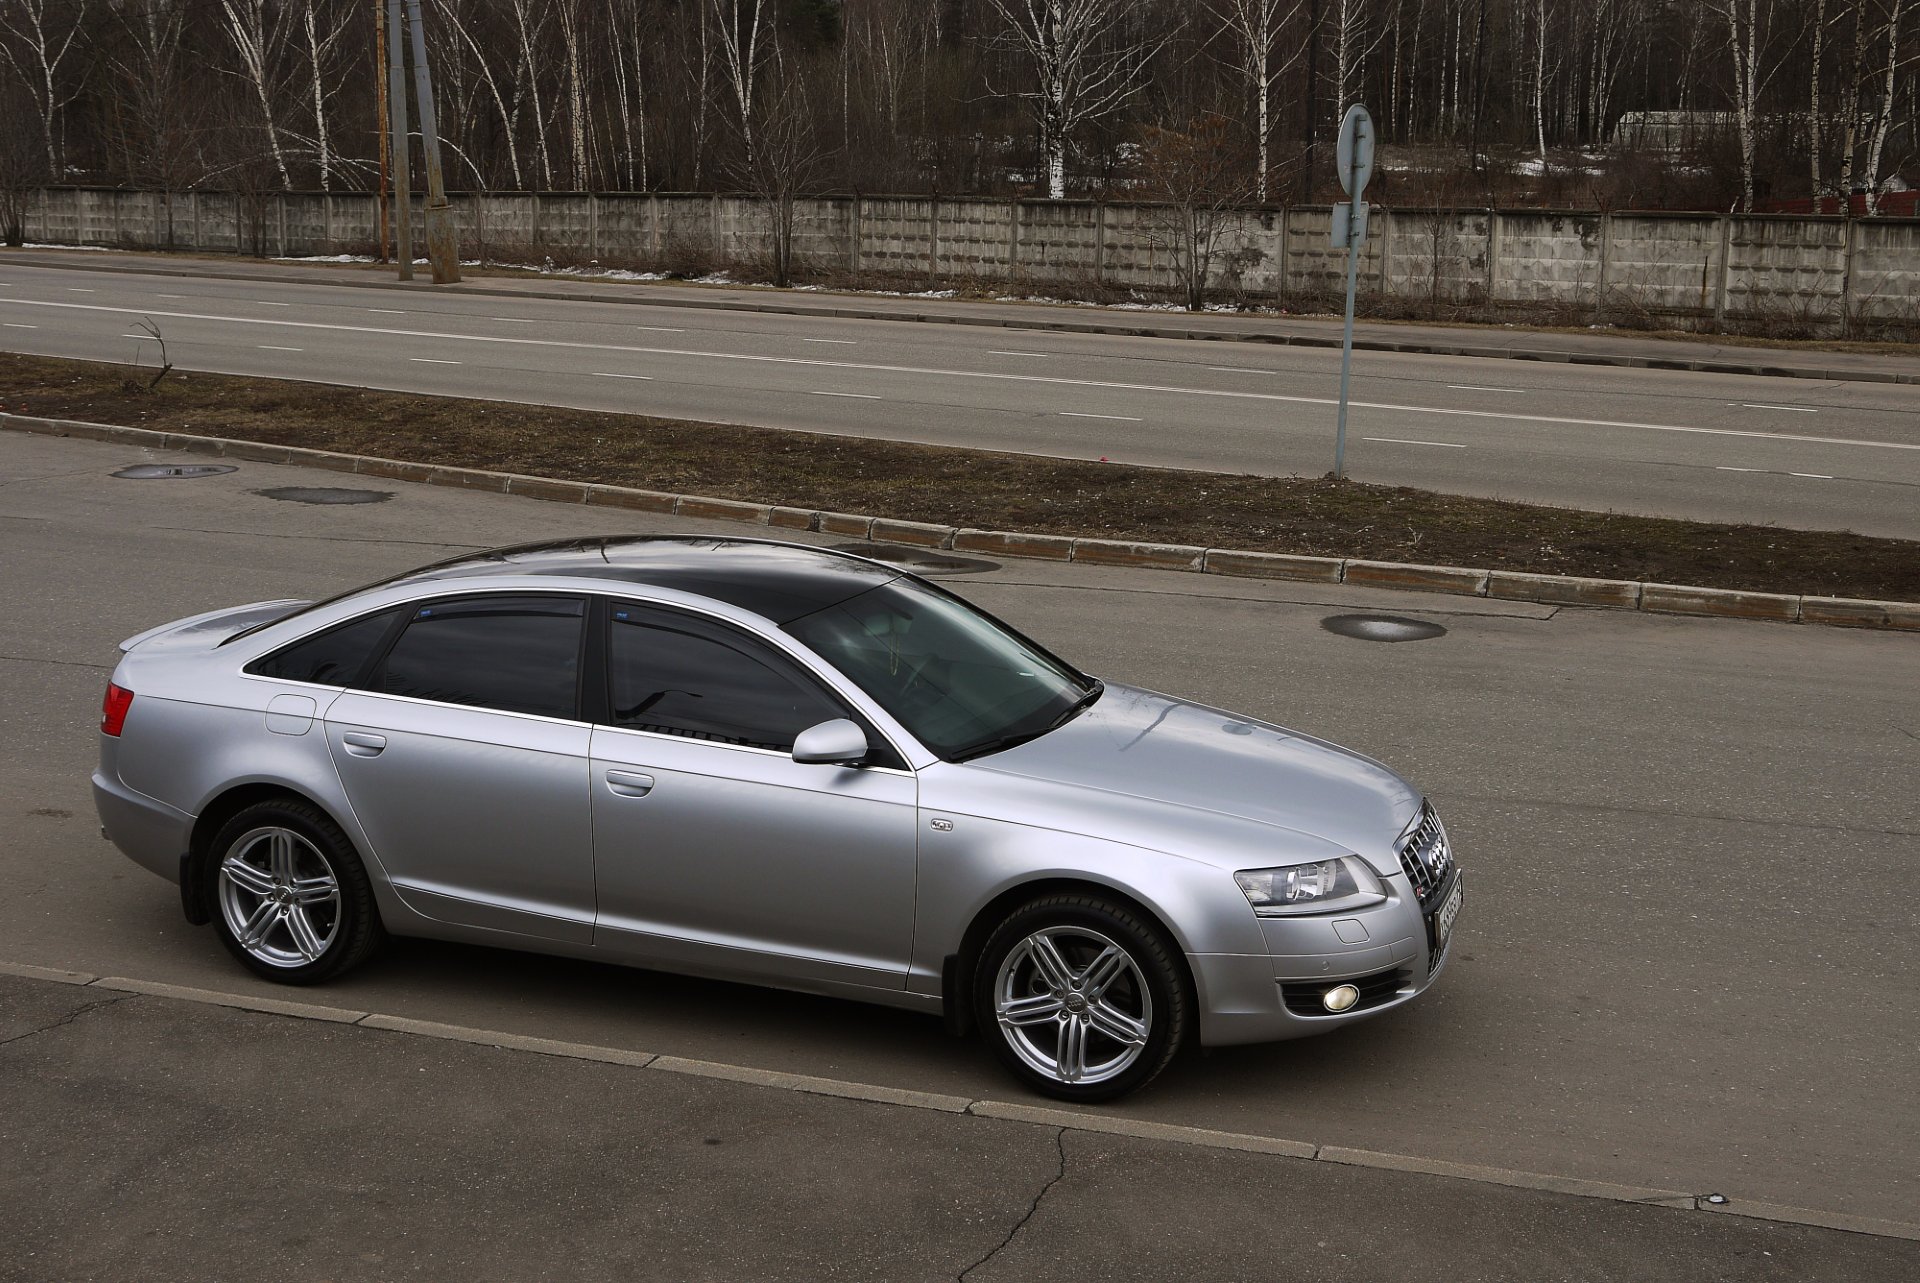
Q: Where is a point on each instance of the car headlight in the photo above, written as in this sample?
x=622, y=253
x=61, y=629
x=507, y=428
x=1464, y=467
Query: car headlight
x=1325, y=886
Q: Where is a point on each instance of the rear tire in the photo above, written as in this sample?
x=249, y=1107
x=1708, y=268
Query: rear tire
x=289, y=895
x=1081, y=998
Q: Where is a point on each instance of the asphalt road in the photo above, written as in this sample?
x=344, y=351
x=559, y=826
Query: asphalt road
x=1685, y=962
x=1795, y=452
x=161, y=1141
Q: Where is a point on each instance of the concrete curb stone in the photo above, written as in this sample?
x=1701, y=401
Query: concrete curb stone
x=239, y=1001
x=1678, y=599
x=1562, y=590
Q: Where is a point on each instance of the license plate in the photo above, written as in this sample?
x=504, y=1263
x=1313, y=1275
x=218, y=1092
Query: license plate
x=1443, y=920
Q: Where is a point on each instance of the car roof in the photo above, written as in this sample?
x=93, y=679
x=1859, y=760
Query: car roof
x=779, y=581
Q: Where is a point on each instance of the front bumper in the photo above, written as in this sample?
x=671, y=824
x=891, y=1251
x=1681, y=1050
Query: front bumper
x=151, y=833
x=1243, y=996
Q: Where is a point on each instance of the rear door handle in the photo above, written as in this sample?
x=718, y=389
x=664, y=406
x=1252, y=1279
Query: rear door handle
x=629, y=783
x=361, y=744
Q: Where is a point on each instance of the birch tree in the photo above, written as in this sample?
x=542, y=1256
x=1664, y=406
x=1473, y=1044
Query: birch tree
x=37, y=39
x=1087, y=60
x=257, y=44
x=322, y=34
x=1749, y=30
x=1883, y=118
x=1254, y=28
x=745, y=31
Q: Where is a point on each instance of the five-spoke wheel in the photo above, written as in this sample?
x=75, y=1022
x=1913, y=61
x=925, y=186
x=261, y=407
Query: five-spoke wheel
x=1080, y=997
x=294, y=902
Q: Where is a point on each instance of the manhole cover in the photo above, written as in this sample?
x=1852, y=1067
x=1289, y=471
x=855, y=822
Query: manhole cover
x=157, y=471
x=925, y=561
x=325, y=494
x=1382, y=628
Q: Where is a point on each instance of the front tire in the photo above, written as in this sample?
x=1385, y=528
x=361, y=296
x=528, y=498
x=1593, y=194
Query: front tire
x=291, y=899
x=1080, y=998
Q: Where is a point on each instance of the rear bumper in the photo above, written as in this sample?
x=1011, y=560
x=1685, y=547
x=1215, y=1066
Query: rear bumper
x=150, y=833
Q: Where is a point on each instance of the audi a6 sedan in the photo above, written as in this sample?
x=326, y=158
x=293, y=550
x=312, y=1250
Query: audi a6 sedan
x=764, y=762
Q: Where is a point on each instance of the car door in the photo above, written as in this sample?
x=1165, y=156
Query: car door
x=714, y=849
x=465, y=761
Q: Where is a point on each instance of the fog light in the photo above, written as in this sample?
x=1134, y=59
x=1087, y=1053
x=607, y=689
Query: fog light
x=1340, y=998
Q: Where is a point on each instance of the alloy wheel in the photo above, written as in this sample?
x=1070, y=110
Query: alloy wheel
x=279, y=897
x=1073, y=1005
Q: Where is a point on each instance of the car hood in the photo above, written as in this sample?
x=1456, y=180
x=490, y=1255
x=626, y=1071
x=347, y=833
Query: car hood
x=1142, y=745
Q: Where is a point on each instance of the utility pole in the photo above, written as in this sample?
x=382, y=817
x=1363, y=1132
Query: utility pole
x=1353, y=155
x=397, y=96
x=443, y=248
x=380, y=63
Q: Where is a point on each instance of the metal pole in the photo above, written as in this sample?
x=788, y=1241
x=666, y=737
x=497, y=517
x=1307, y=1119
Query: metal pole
x=443, y=247
x=380, y=62
x=1346, y=343
x=397, y=95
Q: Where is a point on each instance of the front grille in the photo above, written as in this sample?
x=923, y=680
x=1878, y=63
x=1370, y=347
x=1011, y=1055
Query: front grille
x=1305, y=997
x=1426, y=858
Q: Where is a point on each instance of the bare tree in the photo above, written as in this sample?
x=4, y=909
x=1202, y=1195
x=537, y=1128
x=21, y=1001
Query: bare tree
x=22, y=164
x=321, y=33
x=1254, y=27
x=786, y=159
x=257, y=44
x=37, y=40
x=1750, y=37
x=1883, y=117
x=1202, y=179
x=745, y=28
x=1087, y=57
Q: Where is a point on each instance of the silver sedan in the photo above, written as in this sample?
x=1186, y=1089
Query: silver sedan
x=764, y=762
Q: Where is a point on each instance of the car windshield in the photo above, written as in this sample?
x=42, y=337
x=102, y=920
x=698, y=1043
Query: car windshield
x=962, y=682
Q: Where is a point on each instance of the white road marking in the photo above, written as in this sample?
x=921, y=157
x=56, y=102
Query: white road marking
x=987, y=375
x=1042, y=355
x=1123, y=418
x=433, y=360
x=604, y=374
x=20, y=325
x=1241, y=369
x=843, y=342
x=857, y=396
x=390, y=311
x=516, y=320
x=1726, y=469
x=169, y=295
x=1469, y=387
x=75, y=289
x=271, y=347
x=267, y=303
x=144, y=338
x=1797, y=409
x=1812, y=476
x=1451, y=445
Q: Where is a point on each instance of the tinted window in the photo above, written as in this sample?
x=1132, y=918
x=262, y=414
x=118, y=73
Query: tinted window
x=520, y=654
x=680, y=676
x=336, y=657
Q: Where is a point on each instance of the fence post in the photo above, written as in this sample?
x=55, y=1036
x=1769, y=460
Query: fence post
x=653, y=228
x=713, y=229
x=1013, y=237
x=1606, y=264
x=593, y=226
x=1847, y=303
x=933, y=239
x=854, y=232
x=533, y=220
x=1720, y=281
x=1286, y=263
x=1493, y=254
x=1100, y=244
x=1386, y=242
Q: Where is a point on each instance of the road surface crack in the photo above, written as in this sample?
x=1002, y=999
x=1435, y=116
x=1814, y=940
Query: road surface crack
x=67, y=1019
x=1060, y=1145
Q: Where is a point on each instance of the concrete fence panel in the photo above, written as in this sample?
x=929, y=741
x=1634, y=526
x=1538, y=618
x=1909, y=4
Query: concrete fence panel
x=1787, y=267
x=1664, y=263
x=1435, y=254
x=1884, y=282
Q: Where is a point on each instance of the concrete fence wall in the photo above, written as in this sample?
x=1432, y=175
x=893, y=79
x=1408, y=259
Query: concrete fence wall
x=1688, y=269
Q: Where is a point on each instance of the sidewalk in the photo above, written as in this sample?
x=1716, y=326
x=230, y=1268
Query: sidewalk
x=1499, y=342
x=158, y=1139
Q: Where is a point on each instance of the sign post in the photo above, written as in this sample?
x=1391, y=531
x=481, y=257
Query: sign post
x=1354, y=159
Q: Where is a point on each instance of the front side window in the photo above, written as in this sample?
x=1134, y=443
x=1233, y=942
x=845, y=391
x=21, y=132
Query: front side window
x=961, y=681
x=337, y=657
x=673, y=674
x=516, y=654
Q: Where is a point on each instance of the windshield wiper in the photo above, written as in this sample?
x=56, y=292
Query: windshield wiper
x=1001, y=742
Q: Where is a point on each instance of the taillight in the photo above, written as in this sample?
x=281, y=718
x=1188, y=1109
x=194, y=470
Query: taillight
x=113, y=709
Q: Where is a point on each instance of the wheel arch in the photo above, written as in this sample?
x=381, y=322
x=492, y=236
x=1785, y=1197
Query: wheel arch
x=957, y=968
x=213, y=817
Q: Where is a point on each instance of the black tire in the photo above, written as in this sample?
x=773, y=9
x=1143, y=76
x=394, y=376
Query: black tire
x=346, y=927
x=1151, y=988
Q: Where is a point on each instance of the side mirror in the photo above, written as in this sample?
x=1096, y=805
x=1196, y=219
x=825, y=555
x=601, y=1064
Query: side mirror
x=836, y=743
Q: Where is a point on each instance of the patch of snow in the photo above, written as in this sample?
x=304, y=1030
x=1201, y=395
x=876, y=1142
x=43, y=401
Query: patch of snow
x=92, y=249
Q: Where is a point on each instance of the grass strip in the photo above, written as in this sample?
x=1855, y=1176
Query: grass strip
x=978, y=488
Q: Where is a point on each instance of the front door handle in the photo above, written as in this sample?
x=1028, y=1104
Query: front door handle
x=361, y=744
x=629, y=783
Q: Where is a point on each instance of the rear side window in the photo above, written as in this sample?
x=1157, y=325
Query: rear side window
x=674, y=675
x=517, y=654
x=337, y=657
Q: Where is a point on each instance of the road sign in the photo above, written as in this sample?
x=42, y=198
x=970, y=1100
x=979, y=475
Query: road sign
x=1353, y=155
x=1349, y=224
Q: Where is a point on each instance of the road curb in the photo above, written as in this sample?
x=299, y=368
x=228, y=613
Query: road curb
x=999, y=1111
x=1556, y=590
x=1125, y=329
